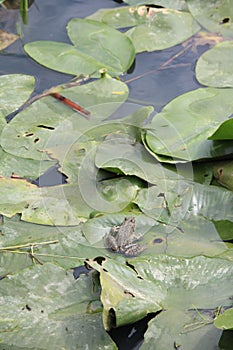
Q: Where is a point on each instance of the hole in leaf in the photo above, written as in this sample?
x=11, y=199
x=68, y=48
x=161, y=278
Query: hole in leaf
x=45, y=127
x=28, y=134
x=36, y=139
x=99, y=259
x=157, y=240
x=225, y=20
x=131, y=336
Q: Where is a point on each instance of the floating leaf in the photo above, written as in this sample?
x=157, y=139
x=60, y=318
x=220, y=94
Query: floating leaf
x=214, y=15
x=123, y=154
x=66, y=205
x=181, y=130
x=225, y=320
x=215, y=67
x=97, y=46
x=15, y=89
x=164, y=283
x=163, y=28
x=224, y=132
x=173, y=201
x=47, y=122
x=178, y=4
x=49, y=304
x=186, y=240
x=22, y=244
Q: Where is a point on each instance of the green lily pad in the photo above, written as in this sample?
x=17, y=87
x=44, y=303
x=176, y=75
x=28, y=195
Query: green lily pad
x=48, y=123
x=215, y=67
x=47, y=303
x=96, y=46
x=163, y=28
x=225, y=320
x=162, y=283
x=213, y=15
x=15, y=89
x=186, y=240
x=174, y=201
x=176, y=328
x=22, y=244
x=224, y=132
x=179, y=4
x=180, y=131
x=66, y=205
x=123, y=154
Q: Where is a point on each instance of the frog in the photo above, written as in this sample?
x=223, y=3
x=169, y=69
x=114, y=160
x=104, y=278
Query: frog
x=122, y=238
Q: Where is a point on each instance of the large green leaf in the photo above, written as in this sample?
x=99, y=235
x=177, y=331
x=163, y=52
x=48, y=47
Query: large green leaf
x=96, y=46
x=225, y=320
x=178, y=4
x=164, y=283
x=224, y=132
x=181, y=130
x=215, y=66
x=48, y=123
x=44, y=308
x=15, y=89
x=123, y=154
x=69, y=204
x=22, y=244
x=186, y=240
x=163, y=28
x=214, y=15
x=174, y=201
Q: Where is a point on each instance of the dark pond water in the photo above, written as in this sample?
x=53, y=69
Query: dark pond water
x=47, y=21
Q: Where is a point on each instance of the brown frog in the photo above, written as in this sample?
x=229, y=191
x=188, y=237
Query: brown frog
x=122, y=238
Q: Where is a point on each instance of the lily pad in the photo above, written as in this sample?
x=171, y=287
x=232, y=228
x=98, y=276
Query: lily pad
x=15, y=89
x=224, y=132
x=48, y=303
x=175, y=201
x=225, y=320
x=130, y=291
x=157, y=237
x=96, y=46
x=121, y=153
x=22, y=244
x=179, y=4
x=163, y=28
x=213, y=15
x=215, y=67
x=66, y=205
x=180, y=131
x=47, y=122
